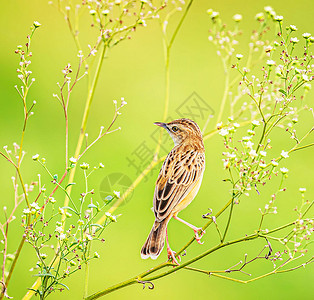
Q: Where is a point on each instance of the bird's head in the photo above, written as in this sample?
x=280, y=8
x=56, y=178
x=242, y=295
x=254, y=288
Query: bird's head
x=182, y=130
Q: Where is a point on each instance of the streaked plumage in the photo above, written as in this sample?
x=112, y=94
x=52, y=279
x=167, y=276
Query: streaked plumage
x=178, y=182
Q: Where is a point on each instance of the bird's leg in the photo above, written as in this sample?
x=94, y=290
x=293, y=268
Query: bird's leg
x=195, y=229
x=171, y=254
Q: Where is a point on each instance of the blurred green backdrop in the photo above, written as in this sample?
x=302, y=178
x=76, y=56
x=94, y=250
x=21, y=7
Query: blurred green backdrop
x=135, y=70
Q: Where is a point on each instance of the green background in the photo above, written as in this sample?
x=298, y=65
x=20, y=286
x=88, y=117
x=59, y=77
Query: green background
x=135, y=70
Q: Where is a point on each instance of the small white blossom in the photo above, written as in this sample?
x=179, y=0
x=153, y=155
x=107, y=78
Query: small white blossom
x=35, y=206
x=294, y=40
x=35, y=157
x=284, y=170
x=253, y=153
x=278, y=18
x=73, y=160
x=293, y=28
x=239, y=56
x=302, y=190
x=62, y=236
x=237, y=17
x=256, y=123
x=224, y=132
x=59, y=229
x=274, y=163
x=306, y=35
x=84, y=166
x=263, y=153
x=284, y=154
x=26, y=211
x=270, y=63
x=116, y=194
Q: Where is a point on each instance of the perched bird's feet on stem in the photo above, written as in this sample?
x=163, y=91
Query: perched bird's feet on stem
x=171, y=255
x=195, y=229
x=197, y=236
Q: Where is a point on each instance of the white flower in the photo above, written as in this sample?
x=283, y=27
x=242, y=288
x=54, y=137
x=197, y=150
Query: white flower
x=35, y=157
x=36, y=24
x=84, y=166
x=270, y=63
x=256, y=123
x=278, y=18
x=263, y=153
x=274, y=163
x=294, y=40
x=253, y=153
x=73, y=160
x=305, y=77
x=92, y=12
x=239, y=56
x=35, y=206
x=116, y=194
x=96, y=255
x=306, y=35
x=62, y=236
x=246, y=138
x=111, y=217
x=284, y=154
x=268, y=9
x=249, y=144
x=251, y=132
x=293, y=28
x=101, y=165
x=52, y=200
x=105, y=12
x=284, y=170
x=259, y=17
x=224, y=132
x=302, y=190
x=236, y=125
x=26, y=211
x=59, y=229
x=237, y=18
x=262, y=165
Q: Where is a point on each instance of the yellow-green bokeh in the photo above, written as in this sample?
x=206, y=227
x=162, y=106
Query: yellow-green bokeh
x=135, y=70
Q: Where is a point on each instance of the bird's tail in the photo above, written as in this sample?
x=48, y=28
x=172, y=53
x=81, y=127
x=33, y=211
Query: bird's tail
x=155, y=241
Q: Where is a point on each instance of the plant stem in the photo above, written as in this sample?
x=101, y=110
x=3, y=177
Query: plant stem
x=85, y=117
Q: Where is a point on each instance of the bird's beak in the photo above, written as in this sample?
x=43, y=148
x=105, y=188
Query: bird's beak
x=163, y=125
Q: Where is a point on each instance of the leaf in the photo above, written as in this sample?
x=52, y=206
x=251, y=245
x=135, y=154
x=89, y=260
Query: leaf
x=69, y=185
x=63, y=285
x=92, y=206
x=97, y=225
x=44, y=275
x=283, y=92
x=71, y=209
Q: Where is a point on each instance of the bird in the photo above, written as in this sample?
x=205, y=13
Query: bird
x=178, y=182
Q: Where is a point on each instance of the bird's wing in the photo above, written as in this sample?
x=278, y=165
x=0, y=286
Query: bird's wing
x=177, y=177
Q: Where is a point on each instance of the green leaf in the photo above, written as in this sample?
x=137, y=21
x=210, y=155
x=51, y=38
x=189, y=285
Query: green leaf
x=71, y=209
x=92, y=206
x=69, y=185
x=63, y=285
x=283, y=92
x=44, y=275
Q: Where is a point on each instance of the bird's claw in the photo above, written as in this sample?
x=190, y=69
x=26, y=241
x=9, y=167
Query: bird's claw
x=197, y=236
x=171, y=255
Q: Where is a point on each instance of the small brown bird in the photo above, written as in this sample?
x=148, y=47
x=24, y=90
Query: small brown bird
x=178, y=182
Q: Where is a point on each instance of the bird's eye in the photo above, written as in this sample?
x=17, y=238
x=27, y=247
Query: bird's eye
x=175, y=128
